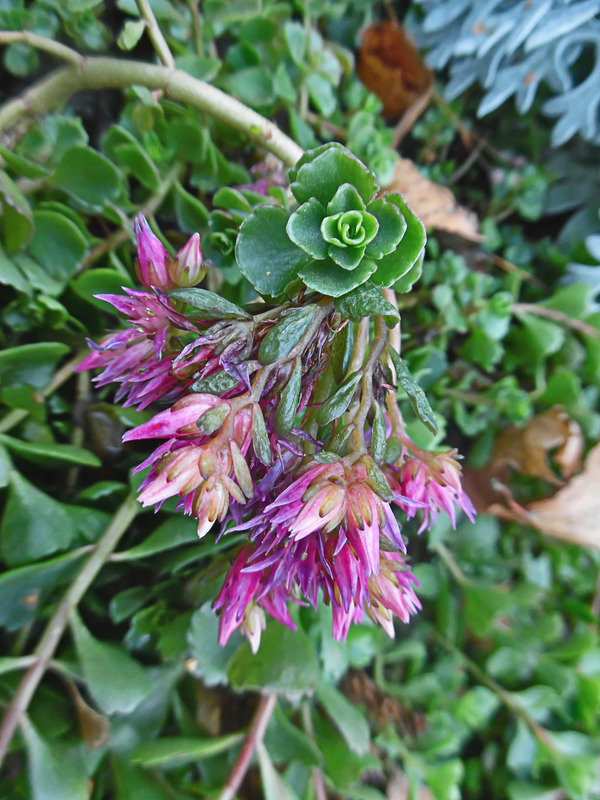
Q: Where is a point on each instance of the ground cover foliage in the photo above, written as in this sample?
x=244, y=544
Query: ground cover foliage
x=112, y=683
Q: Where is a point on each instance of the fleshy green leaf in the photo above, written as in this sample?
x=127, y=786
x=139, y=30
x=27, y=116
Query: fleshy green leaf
x=345, y=199
x=50, y=454
x=265, y=253
x=304, y=228
x=286, y=662
x=175, y=751
x=23, y=590
x=416, y=395
x=114, y=679
x=100, y=281
x=273, y=784
x=410, y=248
x=260, y=437
x=347, y=258
x=172, y=533
x=287, y=407
x=323, y=175
x=252, y=85
x=347, y=718
x=17, y=219
x=392, y=227
x=212, y=305
x=217, y=383
x=58, y=244
x=367, y=301
x=131, y=33
x=54, y=769
x=211, y=660
x=30, y=364
x=34, y=525
x=89, y=178
x=378, y=440
x=330, y=279
x=337, y=404
x=285, y=335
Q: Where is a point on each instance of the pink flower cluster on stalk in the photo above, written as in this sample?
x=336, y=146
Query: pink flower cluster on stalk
x=321, y=524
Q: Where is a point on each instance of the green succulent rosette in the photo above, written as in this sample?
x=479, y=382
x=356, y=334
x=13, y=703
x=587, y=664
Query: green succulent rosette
x=339, y=236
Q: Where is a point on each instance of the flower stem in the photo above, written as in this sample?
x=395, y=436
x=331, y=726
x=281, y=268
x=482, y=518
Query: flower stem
x=256, y=734
x=58, y=622
x=366, y=400
x=115, y=73
x=42, y=43
x=154, y=32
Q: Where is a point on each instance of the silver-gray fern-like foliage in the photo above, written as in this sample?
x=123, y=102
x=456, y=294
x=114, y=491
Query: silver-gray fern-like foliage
x=511, y=47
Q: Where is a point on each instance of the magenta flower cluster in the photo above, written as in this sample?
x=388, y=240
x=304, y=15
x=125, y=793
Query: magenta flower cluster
x=322, y=522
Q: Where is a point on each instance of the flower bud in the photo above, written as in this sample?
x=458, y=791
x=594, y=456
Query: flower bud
x=151, y=267
x=186, y=269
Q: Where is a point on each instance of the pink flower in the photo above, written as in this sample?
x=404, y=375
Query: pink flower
x=140, y=357
x=193, y=466
x=152, y=257
x=432, y=479
x=157, y=269
x=245, y=597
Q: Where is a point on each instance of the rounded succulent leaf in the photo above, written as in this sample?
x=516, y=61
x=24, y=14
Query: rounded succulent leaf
x=346, y=257
x=322, y=177
x=392, y=227
x=350, y=228
x=329, y=278
x=345, y=199
x=409, y=250
x=304, y=228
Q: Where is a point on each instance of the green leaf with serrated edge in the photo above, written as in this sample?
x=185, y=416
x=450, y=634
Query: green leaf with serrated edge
x=345, y=199
x=392, y=227
x=329, y=279
x=265, y=254
x=287, y=407
x=367, y=301
x=88, y=177
x=304, y=228
x=393, y=266
x=54, y=769
x=322, y=176
x=23, y=590
x=285, y=335
x=337, y=404
x=212, y=305
x=341, y=352
x=217, y=383
x=130, y=34
x=17, y=215
x=376, y=479
x=286, y=662
x=175, y=751
x=260, y=437
x=50, y=454
x=416, y=395
x=350, y=722
x=170, y=534
x=233, y=200
x=57, y=243
x=113, y=678
x=34, y=525
x=211, y=660
x=378, y=440
x=213, y=419
x=408, y=280
x=347, y=258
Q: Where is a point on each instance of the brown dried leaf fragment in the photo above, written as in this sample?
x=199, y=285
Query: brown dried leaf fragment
x=434, y=204
x=389, y=65
x=527, y=448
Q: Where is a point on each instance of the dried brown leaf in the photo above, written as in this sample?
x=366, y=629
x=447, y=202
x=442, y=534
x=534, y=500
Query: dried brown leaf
x=389, y=65
x=434, y=204
x=94, y=727
x=527, y=448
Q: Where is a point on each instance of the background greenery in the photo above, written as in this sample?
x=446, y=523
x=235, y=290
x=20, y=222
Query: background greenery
x=494, y=690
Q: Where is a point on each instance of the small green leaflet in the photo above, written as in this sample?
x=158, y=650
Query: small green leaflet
x=416, y=395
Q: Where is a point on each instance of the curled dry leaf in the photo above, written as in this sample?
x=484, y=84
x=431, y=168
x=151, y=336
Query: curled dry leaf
x=389, y=65
x=527, y=448
x=94, y=727
x=434, y=204
x=572, y=514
